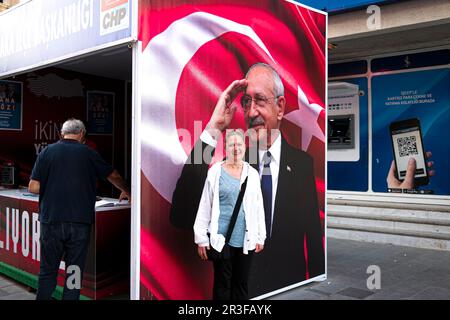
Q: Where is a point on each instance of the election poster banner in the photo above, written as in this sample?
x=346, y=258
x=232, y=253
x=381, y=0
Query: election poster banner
x=100, y=112
x=10, y=105
x=266, y=60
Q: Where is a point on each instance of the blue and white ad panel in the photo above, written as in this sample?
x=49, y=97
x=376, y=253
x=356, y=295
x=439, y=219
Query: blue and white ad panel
x=422, y=95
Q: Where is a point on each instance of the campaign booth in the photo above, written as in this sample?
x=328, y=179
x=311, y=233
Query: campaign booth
x=145, y=77
x=60, y=60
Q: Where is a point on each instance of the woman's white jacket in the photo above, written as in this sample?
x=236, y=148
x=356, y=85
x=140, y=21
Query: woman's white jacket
x=207, y=219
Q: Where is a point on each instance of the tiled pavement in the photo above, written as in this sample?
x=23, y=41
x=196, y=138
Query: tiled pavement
x=406, y=273
x=11, y=290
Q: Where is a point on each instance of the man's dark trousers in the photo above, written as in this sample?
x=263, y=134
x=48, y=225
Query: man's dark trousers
x=58, y=240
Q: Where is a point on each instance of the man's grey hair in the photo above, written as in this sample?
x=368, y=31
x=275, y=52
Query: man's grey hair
x=73, y=126
x=278, y=84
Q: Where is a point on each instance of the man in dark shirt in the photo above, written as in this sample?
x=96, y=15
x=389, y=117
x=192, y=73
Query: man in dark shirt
x=65, y=176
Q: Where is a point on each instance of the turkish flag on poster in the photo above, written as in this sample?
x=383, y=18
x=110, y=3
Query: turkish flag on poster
x=192, y=50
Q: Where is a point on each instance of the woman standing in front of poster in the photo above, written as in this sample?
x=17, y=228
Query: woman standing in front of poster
x=230, y=225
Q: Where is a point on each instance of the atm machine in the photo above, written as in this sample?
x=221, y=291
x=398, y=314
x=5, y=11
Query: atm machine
x=343, y=122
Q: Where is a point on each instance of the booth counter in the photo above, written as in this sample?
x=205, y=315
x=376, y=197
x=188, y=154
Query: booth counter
x=107, y=269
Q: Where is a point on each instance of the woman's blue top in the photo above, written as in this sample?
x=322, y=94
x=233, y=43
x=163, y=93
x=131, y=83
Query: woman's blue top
x=229, y=188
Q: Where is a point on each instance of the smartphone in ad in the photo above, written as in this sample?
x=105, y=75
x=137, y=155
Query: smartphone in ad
x=406, y=137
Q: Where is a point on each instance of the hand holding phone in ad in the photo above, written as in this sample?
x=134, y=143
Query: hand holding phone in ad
x=408, y=183
x=410, y=167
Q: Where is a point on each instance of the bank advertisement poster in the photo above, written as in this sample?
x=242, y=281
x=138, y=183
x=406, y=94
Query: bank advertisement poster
x=198, y=73
x=11, y=105
x=421, y=95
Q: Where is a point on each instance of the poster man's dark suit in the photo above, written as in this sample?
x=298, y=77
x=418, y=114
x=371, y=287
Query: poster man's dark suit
x=296, y=215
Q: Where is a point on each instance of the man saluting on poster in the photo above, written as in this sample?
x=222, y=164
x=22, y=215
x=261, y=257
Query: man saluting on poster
x=287, y=182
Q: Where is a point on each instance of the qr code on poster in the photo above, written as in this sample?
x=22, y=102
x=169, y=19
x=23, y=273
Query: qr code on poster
x=407, y=146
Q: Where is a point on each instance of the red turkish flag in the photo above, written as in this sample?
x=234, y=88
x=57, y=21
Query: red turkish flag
x=192, y=50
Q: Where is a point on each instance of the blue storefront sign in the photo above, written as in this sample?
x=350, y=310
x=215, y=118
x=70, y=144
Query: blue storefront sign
x=41, y=32
x=423, y=95
x=10, y=105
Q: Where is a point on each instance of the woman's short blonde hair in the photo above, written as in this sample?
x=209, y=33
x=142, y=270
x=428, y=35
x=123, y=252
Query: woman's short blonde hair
x=235, y=132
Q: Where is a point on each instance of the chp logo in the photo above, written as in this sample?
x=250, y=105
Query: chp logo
x=114, y=16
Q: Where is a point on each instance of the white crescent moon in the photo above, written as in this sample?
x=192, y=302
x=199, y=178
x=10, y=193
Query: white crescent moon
x=162, y=62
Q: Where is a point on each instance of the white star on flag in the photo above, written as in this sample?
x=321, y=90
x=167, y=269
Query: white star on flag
x=306, y=117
